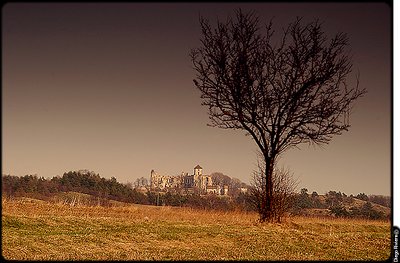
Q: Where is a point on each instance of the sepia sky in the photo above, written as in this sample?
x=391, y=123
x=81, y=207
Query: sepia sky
x=108, y=87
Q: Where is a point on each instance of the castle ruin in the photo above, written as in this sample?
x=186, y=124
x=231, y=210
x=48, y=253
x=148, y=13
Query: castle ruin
x=185, y=183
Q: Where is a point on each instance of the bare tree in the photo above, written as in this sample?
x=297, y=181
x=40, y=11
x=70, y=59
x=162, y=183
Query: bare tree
x=142, y=181
x=283, y=192
x=282, y=95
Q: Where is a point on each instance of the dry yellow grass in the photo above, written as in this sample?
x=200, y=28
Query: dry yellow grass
x=38, y=230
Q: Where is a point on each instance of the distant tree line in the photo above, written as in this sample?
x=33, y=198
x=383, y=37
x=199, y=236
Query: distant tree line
x=210, y=202
x=102, y=190
x=341, y=205
x=233, y=184
x=73, y=181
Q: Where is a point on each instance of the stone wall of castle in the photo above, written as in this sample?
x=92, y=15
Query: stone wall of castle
x=197, y=180
x=164, y=181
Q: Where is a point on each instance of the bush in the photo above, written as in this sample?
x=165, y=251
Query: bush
x=339, y=211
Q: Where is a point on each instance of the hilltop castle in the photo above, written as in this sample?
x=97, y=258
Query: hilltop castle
x=185, y=183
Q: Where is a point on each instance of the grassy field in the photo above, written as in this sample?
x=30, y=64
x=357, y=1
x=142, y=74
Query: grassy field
x=38, y=230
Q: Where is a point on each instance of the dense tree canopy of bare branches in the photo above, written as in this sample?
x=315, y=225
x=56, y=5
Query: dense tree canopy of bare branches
x=284, y=93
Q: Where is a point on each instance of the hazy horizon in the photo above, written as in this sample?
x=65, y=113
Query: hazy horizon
x=108, y=87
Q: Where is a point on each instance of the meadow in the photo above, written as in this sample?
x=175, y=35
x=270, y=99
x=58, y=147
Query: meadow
x=38, y=230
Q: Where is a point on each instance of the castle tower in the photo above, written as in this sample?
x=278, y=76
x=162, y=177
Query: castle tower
x=198, y=170
x=197, y=176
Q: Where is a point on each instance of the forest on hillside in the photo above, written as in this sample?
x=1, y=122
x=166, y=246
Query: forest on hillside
x=102, y=190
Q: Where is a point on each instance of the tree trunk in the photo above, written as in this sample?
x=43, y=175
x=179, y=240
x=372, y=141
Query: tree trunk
x=267, y=206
